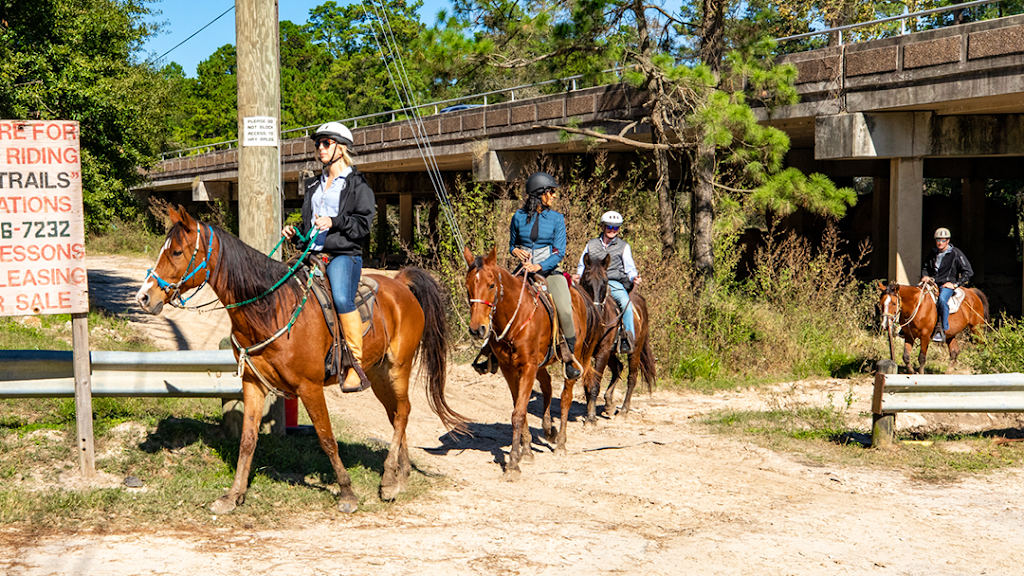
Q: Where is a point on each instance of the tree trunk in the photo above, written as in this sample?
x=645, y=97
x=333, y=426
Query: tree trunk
x=702, y=206
x=703, y=210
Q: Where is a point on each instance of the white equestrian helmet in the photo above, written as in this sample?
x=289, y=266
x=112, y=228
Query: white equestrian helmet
x=335, y=131
x=942, y=233
x=611, y=218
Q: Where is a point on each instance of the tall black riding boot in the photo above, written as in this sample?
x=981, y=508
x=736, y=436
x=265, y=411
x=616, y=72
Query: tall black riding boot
x=571, y=371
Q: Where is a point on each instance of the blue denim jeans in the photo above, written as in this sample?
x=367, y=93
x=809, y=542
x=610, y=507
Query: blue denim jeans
x=343, y=273
x=621, y=297
x=943, y=306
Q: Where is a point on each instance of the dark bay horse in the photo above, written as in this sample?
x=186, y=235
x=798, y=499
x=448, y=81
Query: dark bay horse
x=911, y=311
x=518, y=327
x=410, y=319
x=594, y=283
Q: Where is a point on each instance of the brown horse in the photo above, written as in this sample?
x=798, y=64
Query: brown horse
x=911, y=311
x=409, y=317
x=514, y=320
x=594, y=283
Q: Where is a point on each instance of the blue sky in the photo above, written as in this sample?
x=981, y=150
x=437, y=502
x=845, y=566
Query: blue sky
x=182, y=18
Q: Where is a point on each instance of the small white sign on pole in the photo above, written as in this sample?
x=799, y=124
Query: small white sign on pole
x=42, y=244
x=259, y=131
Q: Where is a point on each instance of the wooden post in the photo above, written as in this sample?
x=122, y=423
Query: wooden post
x=259, y=151
x=882, y=425
x=83, y=394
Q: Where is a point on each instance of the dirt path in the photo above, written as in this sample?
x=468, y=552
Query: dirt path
x=650, y=494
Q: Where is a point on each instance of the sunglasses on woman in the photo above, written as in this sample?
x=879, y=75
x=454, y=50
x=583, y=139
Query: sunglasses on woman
x=325, y=143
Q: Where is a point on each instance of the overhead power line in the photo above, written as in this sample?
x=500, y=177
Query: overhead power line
x=196, y=32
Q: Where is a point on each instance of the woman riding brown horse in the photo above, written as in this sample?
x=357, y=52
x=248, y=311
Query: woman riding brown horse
x=515, y=322
x=594, y=283
x=911, y=311
x=282, y=340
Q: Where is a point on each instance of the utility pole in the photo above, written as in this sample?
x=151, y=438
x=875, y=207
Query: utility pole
x=259, y=150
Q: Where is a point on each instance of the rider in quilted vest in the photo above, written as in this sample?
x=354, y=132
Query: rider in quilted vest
x=622, y=272
x=949, y=269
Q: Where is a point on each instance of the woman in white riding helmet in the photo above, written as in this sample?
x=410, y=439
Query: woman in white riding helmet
x=622, y=272
x=339, y=206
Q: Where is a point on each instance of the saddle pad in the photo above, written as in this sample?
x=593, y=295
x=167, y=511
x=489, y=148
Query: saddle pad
x=954, y=302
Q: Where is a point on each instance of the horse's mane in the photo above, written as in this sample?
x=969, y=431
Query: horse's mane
x=248, y=273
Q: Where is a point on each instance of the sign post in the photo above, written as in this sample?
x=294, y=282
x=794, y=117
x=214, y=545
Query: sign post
x=42, y=243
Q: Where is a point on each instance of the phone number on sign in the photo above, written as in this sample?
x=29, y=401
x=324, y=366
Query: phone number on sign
x=51, y=229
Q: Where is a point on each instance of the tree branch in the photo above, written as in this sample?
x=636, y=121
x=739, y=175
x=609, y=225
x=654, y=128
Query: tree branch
x=724, y=187
x=669, y=16
x=611, y=138
x=522, y=63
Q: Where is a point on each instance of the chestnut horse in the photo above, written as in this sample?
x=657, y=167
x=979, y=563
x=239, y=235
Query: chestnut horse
x=594, y=283
x=514, y=320
x=409, y=318
x=911, y=310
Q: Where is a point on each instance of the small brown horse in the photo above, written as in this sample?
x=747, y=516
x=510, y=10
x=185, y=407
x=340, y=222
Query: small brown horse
x=911, y=310
x=514, y=320
x=594, y=283
x=410, y=317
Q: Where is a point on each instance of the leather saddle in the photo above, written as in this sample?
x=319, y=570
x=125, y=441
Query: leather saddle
x=339, y=357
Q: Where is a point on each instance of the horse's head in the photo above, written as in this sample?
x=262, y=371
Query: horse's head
x=594, y=280
x=183, y=262
x=889, y=304
x=483, y=284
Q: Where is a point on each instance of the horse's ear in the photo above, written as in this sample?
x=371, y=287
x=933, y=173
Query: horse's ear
x=586, y=260
x=492, y=257
x=182, y=216
x=468, y=255
x=607, y=260
x=881, y=286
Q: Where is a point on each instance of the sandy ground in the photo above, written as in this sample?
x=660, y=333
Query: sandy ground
x=653, y=493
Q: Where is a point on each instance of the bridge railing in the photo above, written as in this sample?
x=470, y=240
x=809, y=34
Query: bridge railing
x=570, y=81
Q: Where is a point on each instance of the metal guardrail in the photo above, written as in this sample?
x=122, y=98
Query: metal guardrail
x=189, y=373
x=571, y=80
x=940, y=393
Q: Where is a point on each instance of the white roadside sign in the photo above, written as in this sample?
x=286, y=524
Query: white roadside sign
x=42, y=230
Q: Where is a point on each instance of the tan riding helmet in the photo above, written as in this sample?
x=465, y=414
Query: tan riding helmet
x=942, y=234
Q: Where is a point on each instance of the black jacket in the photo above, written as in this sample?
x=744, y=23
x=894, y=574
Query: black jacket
x=954, y=268
x=355, y=215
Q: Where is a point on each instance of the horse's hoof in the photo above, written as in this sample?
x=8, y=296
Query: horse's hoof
x=528, y=455
x=389, y=493
x=511, y=475
x=223, y=505
x=561, y=451
x=347, y=506
x=551, y=435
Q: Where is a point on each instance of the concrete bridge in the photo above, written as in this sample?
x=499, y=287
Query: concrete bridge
x=946, y=103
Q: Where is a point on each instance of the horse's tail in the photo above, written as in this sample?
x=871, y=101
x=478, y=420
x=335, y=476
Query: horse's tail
x=647, y=366
x=433, y=349
x=984, y=302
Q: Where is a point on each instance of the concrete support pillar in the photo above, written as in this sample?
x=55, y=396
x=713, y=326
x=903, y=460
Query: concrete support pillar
x=880, y=230
x=906, y=202
x=972, y=226
x=405, y=218
x=382, y=227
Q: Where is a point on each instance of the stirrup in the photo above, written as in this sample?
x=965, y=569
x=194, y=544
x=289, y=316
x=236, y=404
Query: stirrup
x=364, y=382
x=485, y=363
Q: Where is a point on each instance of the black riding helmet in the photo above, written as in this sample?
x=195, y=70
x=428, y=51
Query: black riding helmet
x=538, y=182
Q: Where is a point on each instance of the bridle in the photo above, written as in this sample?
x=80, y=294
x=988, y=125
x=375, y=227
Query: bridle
x=499, y=292
x=174, y=289
x=894, y=317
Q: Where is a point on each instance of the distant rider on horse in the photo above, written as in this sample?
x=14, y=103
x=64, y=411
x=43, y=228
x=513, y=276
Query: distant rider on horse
x=340, y=205
x=537, y=240
x=949, y=269
x=622, y=272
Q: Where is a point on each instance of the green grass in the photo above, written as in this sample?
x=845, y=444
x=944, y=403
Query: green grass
x=831, y=436
x=53, y=332
x=177, y=448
